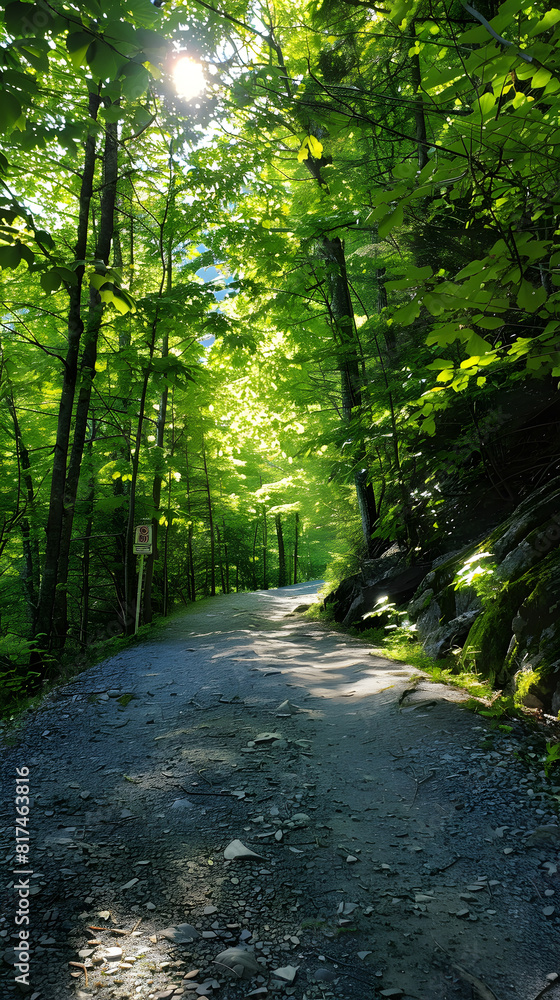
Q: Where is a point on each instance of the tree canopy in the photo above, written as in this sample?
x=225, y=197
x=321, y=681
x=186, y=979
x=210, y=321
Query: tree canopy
x=306, y=312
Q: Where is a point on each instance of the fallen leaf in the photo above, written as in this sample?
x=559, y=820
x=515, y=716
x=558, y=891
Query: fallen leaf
x=238, y=850
x=267, y=737
x=240, y=962
x=180, y=933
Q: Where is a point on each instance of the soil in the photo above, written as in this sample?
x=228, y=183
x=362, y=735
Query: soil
x=406, y=847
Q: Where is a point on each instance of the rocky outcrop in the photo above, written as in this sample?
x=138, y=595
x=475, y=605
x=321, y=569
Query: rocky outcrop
x=387, y=577
x=496, y=601
x=507, y=620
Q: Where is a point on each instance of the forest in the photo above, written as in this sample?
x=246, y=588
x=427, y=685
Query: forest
x=281, y=280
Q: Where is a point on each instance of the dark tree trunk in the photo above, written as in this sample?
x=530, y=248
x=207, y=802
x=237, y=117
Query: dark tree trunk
x=87, y=375
x=264, y=547
x=254, y=562
x=210, y=524
x=190, y=563
x=349, y=356
x=281, y=551
x=30, y=543
x=47, y=595
x=296, y=541
x=86, y=556
x=419, y=117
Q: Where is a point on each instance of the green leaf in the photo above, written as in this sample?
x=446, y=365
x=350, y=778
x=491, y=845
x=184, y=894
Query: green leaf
x=110, y=294
x=390, y=221
x=77, y=44
x=10, y=256
x=102, y=60
x=541, y=78
x=407, y=314
x=439, y=363
x=488, y=322
x=136, y=81
x=19, y=16
x=10, y=111
x=530, y=298
x=50, y=281
x=548, y=21
x=475, y=345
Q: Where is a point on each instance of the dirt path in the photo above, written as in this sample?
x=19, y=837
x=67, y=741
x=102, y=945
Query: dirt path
x=397, y=835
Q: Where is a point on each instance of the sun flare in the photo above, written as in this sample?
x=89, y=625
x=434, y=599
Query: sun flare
x=188, y=78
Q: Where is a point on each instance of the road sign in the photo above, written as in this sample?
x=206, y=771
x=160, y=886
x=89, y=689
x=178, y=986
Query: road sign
x=143, y=540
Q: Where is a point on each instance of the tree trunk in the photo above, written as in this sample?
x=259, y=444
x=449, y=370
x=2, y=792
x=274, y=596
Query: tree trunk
x=156, y=496
x=166, y=255
x=419, y=117
x=86, y=556
x=348, y=357
x=296, y=541
x=190, y=564
x=281, y=551
x=254, y=562
x=87, y=375
x=264, y=545
x=210, y=523
x=30, y=543
x=47, y=595
x=226, y=556
x=220, y=561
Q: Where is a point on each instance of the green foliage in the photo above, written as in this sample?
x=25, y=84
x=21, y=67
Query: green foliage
x=552, y=760
x=323, y=321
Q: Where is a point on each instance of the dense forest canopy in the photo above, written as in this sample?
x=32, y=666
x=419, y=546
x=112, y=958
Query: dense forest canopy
x=309, y=308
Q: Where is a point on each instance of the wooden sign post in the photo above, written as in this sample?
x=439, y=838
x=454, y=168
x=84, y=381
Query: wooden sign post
x=142, y=547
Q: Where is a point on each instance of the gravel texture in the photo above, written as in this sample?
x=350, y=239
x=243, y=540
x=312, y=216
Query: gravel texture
x=406, y=847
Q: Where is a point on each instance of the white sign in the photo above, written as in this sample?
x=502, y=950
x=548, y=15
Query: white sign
x=143, y=540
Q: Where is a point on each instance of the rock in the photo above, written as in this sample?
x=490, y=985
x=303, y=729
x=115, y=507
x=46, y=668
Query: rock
x=438, y=642
x=180, y=933
x=397, y=587
x=543, y=835
x=324, y=976
x=350, y=590
x=113, y=954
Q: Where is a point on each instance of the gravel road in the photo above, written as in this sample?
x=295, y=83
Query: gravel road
x=404, y=849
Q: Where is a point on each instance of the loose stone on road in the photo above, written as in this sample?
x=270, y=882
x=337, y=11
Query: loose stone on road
x=254, y=805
